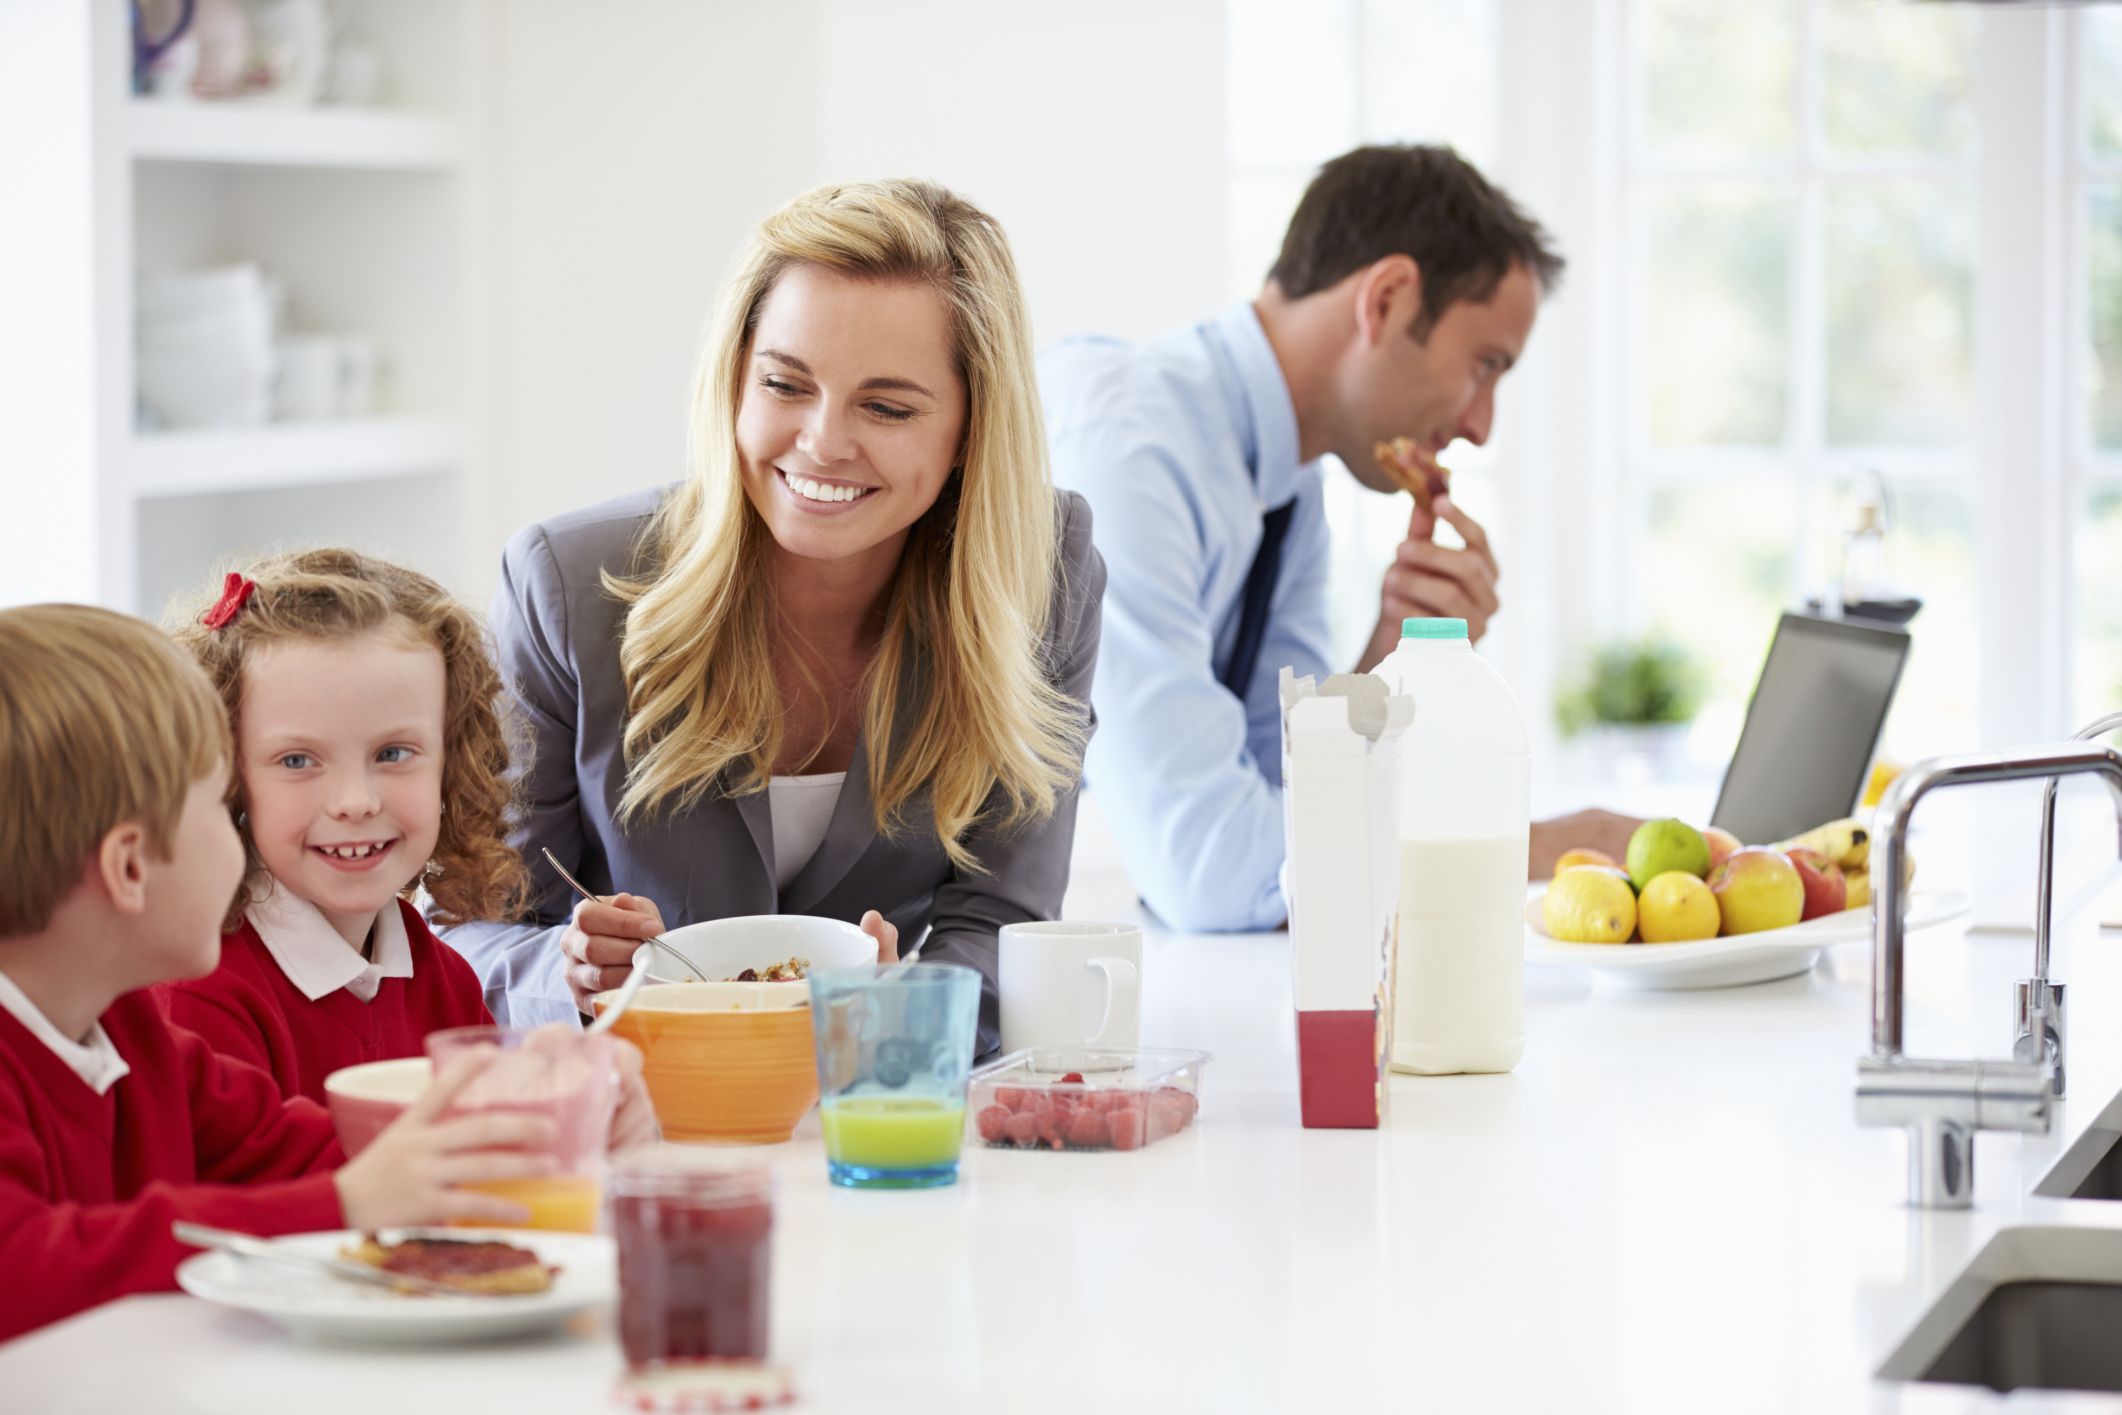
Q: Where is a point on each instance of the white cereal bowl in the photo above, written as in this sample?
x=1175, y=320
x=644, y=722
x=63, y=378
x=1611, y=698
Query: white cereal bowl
x=723, y=948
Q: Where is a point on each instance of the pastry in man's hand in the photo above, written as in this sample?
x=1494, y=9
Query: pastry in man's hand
x=1405, y=463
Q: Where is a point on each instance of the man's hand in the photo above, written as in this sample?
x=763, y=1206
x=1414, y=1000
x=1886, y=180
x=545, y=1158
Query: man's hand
x=1428, y=581
x=600, y=943
x=1598, y=830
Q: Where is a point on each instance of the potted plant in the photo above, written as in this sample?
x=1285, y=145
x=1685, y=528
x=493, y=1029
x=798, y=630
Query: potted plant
x=1638, y=698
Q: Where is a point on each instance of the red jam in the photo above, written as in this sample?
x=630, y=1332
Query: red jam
x=695, y=1265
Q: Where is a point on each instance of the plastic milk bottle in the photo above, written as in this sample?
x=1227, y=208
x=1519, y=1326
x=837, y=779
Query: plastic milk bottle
x=1465, y=812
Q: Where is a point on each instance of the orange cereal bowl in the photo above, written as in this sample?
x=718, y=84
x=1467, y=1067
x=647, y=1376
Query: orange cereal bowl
x=364, y=1099
x=718, y=1068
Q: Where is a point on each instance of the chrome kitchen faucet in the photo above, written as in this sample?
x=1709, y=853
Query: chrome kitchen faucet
x=2039, y=1032
x=1942, y=1104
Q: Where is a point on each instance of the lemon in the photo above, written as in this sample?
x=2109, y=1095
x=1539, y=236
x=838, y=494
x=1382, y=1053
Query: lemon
x=1678, y=908
x=1661, y=846
x=1590, y=905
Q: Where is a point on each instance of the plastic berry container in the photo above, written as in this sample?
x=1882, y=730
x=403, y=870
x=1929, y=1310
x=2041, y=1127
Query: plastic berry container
x=1084, y=1098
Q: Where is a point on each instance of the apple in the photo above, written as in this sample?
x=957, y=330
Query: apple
x=1826, y=888
x=1757, y=889
x=1721, y=845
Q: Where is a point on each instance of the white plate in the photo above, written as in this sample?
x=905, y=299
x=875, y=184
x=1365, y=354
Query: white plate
x=1726, y=962
x=323, y=1308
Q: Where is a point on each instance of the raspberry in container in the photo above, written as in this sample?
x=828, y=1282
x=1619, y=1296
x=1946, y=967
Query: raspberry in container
x=1085, y=1098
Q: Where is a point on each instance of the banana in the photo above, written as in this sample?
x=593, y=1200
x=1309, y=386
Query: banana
x=1859, y=882
x=1846, y=842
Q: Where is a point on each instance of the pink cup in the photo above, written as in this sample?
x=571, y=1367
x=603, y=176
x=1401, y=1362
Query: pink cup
x=364, y=1099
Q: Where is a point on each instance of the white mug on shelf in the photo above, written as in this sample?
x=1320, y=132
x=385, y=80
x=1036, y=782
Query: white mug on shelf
x=357, y=375
x=1070, y=984
x=307, y=376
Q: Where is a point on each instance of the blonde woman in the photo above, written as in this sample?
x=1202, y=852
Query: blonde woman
x=844, y=667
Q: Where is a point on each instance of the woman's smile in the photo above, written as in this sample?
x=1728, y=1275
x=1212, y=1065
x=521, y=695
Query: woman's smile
x=822, y=496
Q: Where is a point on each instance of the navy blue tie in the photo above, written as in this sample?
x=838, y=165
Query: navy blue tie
x=1237, y=675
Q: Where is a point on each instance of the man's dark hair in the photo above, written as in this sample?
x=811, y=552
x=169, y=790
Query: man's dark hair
x=1427, y=203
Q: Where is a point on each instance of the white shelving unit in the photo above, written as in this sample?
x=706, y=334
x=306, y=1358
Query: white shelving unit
x=289, y=455
x=252, y=133
x=365, y=217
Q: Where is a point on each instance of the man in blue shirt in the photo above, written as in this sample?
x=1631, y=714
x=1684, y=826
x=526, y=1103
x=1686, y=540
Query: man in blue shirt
x=1406, y=288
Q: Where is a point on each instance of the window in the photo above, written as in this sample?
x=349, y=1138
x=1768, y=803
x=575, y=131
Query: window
x=2097, y=417
x=1809, y=240
x=1800, y=222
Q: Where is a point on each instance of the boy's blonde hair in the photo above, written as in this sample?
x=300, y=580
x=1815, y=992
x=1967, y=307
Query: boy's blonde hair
x=102, y=721
x=327, y=595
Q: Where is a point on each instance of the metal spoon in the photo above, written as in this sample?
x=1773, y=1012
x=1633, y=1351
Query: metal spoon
x=904, y=963
x=634, y=979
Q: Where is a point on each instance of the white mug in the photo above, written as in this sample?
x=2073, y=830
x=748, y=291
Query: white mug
x=1070, y=984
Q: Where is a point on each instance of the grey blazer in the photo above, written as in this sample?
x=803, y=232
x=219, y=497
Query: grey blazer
x=557, y=634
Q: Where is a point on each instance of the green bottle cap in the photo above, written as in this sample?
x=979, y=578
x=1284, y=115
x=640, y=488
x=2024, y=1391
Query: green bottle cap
x=1433, y=628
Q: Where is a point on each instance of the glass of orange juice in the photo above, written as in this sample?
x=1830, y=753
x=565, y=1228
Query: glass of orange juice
x=556, y=1072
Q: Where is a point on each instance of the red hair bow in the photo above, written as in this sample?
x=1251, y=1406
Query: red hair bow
x=236, y=591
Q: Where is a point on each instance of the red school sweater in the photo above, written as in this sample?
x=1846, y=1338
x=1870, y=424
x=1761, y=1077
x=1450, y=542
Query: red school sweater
x=247, y=1009
x=90, y=1184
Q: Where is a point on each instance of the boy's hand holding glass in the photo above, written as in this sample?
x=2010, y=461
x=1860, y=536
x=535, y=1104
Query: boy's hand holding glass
x=555, y=1072
x=414, y=1172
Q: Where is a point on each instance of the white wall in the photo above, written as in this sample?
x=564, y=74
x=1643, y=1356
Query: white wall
x=51, y=345
x=633, y=143
x=1093, y=131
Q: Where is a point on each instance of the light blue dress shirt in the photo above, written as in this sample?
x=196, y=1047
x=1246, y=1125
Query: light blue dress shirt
x=1181, y=447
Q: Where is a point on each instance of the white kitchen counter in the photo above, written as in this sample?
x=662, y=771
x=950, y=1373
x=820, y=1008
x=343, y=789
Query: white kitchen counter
x=1667, y=1207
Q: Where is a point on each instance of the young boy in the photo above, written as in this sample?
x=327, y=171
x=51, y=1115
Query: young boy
x=117, y=862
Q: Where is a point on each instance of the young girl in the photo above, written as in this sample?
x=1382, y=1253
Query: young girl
x=371, y=759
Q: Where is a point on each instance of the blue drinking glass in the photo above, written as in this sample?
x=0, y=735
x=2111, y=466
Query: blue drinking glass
x=894, y=1048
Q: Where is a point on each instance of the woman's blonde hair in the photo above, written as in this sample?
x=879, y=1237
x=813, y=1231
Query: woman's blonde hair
x=981, y=727
x=328, y=595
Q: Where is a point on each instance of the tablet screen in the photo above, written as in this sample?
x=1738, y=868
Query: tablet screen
x=1811, y=728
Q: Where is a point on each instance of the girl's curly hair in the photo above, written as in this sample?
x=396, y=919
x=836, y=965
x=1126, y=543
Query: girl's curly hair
x=338, y=594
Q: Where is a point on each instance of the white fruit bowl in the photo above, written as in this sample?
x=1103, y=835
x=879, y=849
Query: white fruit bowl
x=1725, y=962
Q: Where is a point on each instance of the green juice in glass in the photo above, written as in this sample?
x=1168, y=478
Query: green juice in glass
x=894, y=1141
x=895, y=1045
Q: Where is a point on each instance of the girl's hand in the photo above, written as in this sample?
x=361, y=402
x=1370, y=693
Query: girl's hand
x=410, y=1173
x=885, y=933
x=600, y=943
x=635, y=1123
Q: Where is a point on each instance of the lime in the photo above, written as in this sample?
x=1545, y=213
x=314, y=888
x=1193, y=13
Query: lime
x=1659, y=847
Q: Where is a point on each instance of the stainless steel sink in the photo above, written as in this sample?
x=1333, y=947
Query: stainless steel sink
x=2101, y=1176
x=2037, y=1308
x=2092, y=1167
x=2045, y=1335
